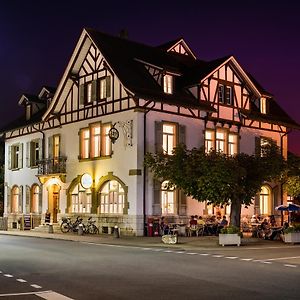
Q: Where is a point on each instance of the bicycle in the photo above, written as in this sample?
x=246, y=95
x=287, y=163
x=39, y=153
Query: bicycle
x=67, y=225
x=91, y=228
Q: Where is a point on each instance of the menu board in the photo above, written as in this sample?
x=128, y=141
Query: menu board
x=27, y=222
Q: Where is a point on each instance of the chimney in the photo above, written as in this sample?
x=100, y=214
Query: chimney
x=123, y=34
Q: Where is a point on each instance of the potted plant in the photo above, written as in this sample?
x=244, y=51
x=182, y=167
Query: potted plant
x=230, y=235
x=292, y=234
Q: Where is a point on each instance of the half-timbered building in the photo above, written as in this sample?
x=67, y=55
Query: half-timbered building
x=79, y=149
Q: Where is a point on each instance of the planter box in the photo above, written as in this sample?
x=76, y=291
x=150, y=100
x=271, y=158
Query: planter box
x=229, y=239
x=293, y=237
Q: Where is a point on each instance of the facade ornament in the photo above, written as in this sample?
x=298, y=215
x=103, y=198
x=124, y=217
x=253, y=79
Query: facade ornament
x=127, y=129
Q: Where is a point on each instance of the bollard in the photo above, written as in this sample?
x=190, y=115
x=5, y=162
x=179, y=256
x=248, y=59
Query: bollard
x=116, y=232
x=50, y=228
x=80, y=229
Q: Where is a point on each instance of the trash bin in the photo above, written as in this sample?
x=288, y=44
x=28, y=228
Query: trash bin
x=80, y=229
x=116, y=232
x=50, y=228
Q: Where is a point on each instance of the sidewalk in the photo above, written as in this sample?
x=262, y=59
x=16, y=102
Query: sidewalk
x=186, y=243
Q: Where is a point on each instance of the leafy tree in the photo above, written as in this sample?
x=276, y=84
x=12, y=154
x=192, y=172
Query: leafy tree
x=217, y=178
x=292, y=176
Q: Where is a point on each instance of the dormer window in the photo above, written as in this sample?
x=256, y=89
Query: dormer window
x=263, y=105
x=28, y=111
x=225, y=94
x=168, y=84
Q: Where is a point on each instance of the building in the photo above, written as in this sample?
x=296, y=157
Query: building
x=79, y=149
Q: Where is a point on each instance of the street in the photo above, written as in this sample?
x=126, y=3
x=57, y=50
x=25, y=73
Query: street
x=36, y=268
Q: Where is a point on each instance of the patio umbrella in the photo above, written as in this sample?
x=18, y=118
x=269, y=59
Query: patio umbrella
x=289, y=208
x=281, y=208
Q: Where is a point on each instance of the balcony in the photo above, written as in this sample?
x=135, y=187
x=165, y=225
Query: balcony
x=51, y=166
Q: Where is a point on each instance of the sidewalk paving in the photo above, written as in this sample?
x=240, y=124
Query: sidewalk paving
x=186, y=243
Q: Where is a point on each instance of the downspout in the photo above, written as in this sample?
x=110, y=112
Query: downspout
x=144, y=170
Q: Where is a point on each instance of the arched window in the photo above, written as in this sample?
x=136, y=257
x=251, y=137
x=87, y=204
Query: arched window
x=15, y=195
x=35, y=191
x=167, y=199
x=112, y=198
x=81, y=200
x=265, y=200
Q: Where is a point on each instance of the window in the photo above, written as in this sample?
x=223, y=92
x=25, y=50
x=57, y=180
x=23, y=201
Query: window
x=56, y=146
x=167, y=199
x=112, y=198
x=102, y=87
x=34, y=149
x=264, y=143
x=169, y=138
x=168, y=84
x=263, y=105
x=94, y=141
x=265, y=201
x=221, y=140
x=15, y=195
x=81, y=200
x=89, y=92
x=35, y=191
x=225, y=94
x=15, y=156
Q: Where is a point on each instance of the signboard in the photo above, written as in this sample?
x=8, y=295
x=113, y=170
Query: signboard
x=27, y=222
x=113, y=134
x=86, y=180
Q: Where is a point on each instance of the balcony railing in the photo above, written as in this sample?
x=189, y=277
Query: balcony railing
x=50, y=166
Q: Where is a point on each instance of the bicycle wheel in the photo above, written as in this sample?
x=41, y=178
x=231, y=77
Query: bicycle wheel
x=64, y=227
x=93, y=229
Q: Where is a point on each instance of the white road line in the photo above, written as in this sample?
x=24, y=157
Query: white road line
x=179, y=252
x=36, y=286
x=231, y=257
x=246, y=259
x=168, y=251
x=218, y=256
x=280, y=258
x=266, y=262
x=50, y=295
x=192, y=253
x=21, y=294
x=147, y=249
x=8, y=275
x=257, y=260
x=21, y=280
x=204, y=254
x=291, y=266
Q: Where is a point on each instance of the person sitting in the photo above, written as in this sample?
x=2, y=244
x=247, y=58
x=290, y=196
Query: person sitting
x=164, y=227
x=272, y=221
x=265, y=229
x=200, y=221
x=254, y=219
x=277, y=233
x=193, y=221
x=222, y=224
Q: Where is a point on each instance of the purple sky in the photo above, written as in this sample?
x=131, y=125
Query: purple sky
x=38, y=37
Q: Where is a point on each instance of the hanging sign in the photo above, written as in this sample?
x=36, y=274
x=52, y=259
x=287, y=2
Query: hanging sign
x=86, y=180
x=113, y=134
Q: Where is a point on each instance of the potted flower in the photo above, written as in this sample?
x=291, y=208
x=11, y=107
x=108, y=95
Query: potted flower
x=230, y=235
x=292, y=234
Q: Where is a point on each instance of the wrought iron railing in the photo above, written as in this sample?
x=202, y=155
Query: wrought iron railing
x=56, y=165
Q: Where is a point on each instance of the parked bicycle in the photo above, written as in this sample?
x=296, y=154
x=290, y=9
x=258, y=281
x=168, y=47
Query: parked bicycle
x=67, y=225
x=91, y=228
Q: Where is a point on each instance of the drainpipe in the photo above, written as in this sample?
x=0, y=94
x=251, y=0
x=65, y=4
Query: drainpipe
x=144, y=170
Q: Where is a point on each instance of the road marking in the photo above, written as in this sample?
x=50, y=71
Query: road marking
x=246, y=259
x=146, y=249
x=168, y=251
x=231, y=257
x=291, y=266
x=218, y=256
x=50, y=295
x=21, y=280
x=36, y=286
x=257, y=260
x=280, y=258
x=179, y=252
x=204, y=254
x=8, y=275
x=266, y=262
x=0, y=272
x=192, y=253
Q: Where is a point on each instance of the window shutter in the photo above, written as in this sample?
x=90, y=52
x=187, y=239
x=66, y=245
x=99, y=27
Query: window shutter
x=8, y=199
x=40, y=149
x=9, y=158
x=20, y=208
x=257, y=146
x=50, y=147
x=81, y=94
x=94, y=90
x=40, y=198
x=181, y=203
x=28, y=152
x=181, y=134
x=20, y=162
x=158, y=137
x=27, y=205
x=108, y=86
x=156, y=197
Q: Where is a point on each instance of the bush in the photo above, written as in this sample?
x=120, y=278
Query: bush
x=291, y=229
x=230, y=230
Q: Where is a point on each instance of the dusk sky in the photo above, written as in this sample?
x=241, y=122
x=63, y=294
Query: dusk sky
x=37, y=39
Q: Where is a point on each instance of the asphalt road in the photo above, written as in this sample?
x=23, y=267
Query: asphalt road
x=35, y=268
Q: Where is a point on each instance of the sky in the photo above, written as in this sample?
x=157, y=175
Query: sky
x=37, y=39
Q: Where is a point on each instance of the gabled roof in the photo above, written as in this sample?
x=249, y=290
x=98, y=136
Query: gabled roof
x=28, y=98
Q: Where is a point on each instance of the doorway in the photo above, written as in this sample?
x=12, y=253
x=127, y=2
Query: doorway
x=53, y=201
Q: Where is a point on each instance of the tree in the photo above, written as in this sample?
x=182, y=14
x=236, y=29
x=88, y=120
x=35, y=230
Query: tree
x=218, y=178
x=292, y=176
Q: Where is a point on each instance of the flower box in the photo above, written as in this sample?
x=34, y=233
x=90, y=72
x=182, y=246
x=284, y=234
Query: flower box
x=292, y=237
x=229, y=239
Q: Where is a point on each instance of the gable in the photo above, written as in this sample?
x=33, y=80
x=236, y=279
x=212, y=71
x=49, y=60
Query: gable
x=182, y=48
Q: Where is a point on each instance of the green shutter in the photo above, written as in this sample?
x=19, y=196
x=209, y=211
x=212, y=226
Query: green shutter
x=20, y=208
x=20, y=158
x=94, y=90
x=8, y=199
x=40, y=198
x=28, y=152
x=9, y=158
x=81, y=94
x=108, y=86
x=27, y=205
x=40, y=149
x=158, y=137
x=156, y=197
x=181, y=203
x=181, y=134
x=50, y=147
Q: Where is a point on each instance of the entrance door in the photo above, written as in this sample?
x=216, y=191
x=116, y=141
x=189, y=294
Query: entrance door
x=53, y=201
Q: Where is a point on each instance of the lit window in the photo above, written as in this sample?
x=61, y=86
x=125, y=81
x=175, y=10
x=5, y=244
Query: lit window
x=105, y=140
x=16, y=156
x=225, y=94
x=34, y=153
x=263, y=105
x=209, y=140
x=95, y=140
x=265, y=201
x=89, y=92
x=112, y=198
x=264, y=143
x=85, y=143
x=81, y=200
x=232, y=144
x=228, y=95
x=35, y=199
x=167, y=199
x=169, y=138
x=56, y=146
x=168, y=84
x=221, y=93
x=15, y=194
x=103, y=94
x=220, y=141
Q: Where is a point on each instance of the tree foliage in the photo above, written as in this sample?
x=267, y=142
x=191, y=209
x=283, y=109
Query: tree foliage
x=215, y=177
x=292, y=176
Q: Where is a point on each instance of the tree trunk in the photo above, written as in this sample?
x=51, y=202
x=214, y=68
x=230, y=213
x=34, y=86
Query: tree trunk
x=235, y=213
